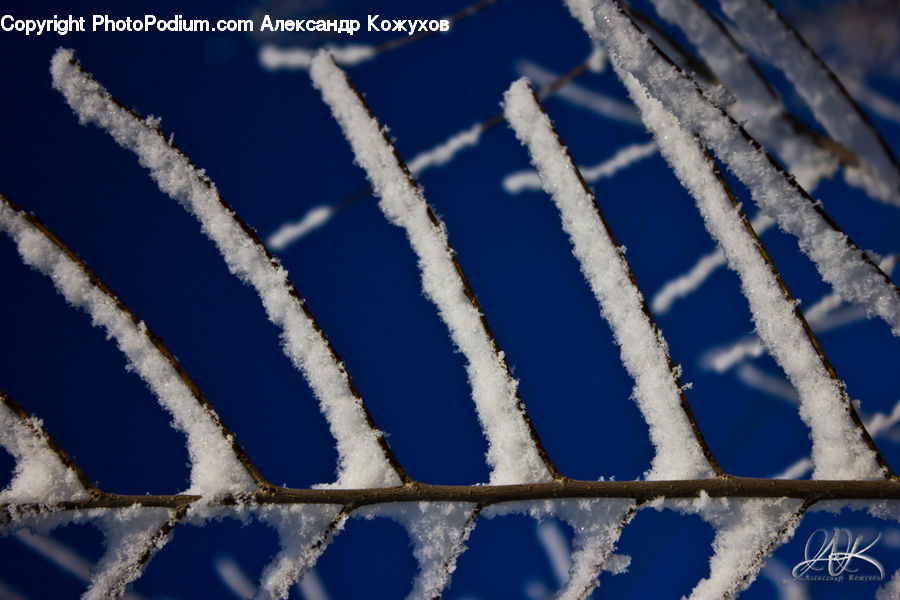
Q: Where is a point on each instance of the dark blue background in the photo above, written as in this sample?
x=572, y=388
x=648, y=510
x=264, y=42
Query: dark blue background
x=269, y=143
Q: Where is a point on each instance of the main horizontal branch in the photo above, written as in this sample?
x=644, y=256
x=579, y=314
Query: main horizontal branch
x=485, y=495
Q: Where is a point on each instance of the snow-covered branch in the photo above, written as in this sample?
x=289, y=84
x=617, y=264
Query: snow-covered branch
x=365, y=458
x=514, y=453
x=218, y=464
x=839, y=260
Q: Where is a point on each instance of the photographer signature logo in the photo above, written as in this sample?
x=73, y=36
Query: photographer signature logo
x=838, y=554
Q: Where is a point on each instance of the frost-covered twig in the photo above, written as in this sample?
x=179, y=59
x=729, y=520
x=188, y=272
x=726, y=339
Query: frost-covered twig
x=680, y=449
x=758, y=105
x=303, y=533
x=833, y=107
x=839, y=260
x=288, y=233
x=365, y=458
x=823, y=315
x=488, y=495
x=686, y=284
x=624, y=157
x=132, y=537
x=842, y=448
x=438, y=532
x=436, y=156
x=218, y=463
x=219, y=466
x=515, y=453
x=599, y=104
x=43, y=471
x=45, y=476
x=747, y=532
x=686, y=60
x=597, y=527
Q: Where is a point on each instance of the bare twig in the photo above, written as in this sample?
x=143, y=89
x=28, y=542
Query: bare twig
x=641, y=491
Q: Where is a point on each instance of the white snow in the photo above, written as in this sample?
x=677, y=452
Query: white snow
x=840, y=264
x=623, y=158
x=300, y=530
x=556, y=546
x=288, y=233
x=446, y=150
x=318, y=216
x=819, y=88
x=128, y=533
x=581, y=10
x=512, y=455
x=39, y=474
x=361, y=460
x=597, y=59
x=747, y=531
x=724, y=358
x=684, y=285
x=311, y=587
x=881, y=423
x=827, y=313
x=688, y=283
x=215, y=469
x=796, y=470
x=597, y=525
x=878, y=103
x=273, y=58
x=437, y=532
x=56, y=552
x=643, y=350
x=758, y=107
x=838, y=450
x=891, y=589
x=576, y=95
x=773, y=385
x=234, y=578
